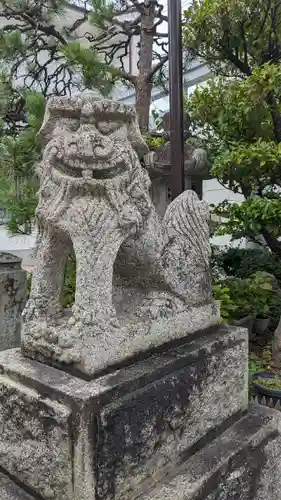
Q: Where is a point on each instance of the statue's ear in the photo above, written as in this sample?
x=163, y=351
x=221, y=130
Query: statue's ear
x=135, y=137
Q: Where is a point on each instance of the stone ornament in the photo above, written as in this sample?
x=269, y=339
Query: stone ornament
x=12, y=300
x=195, y=165
x=140, y=281
x=158, y=162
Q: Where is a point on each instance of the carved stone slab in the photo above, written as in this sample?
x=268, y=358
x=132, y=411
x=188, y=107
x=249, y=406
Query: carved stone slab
x=12, y=300
x=240, y=464
x=10, y=491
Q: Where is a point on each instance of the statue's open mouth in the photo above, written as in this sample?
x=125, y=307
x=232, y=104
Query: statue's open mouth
x=86, y=171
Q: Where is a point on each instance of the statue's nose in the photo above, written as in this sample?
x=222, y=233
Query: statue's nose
x=92, y=144
x=87, y=148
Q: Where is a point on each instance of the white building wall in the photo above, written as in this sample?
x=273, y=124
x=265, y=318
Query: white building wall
x=22, y=246
x=214, y=193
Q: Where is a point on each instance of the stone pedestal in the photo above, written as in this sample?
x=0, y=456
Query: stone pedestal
x=172, y=426
x=10, y=491
x=137, y=394
x=12, y=300
x=242, y=463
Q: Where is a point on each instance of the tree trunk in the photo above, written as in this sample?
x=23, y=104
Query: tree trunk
x=276, y=116
x=143, y=83
x=143, y=99
x=273, y=243
x=276, y=347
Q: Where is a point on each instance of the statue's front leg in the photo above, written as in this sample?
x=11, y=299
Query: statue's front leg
x=96, y=243
x=96, y=251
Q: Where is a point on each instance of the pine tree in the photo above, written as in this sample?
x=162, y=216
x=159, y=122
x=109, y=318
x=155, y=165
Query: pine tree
x=48, y=53
x=19, y=151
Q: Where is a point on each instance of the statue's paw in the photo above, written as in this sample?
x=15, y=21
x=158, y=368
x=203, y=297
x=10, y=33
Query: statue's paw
x=66, y=340
x=92, y=319
x=70, y=356
x=56, y=313
x=31, y=311
x=51, y=334
x=162, y=306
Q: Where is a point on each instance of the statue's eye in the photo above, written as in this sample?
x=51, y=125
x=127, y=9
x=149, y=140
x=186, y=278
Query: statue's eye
x=108, y=127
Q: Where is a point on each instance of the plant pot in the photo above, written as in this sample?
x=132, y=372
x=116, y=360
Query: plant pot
x=271, y=396
x=246, y=321
x=261, y=325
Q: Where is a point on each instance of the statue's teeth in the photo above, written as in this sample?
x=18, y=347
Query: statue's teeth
x=87, y=174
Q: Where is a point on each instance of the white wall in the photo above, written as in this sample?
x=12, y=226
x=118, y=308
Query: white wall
x=214, y=193
x=22, y=246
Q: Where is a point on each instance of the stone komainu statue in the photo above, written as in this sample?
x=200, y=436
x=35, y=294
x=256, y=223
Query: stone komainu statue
x=140, y=280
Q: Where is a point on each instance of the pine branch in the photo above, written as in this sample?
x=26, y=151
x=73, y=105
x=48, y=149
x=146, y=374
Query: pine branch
x=158, y=66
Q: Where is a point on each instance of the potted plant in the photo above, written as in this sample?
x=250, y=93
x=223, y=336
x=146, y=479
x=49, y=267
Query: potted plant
x=262, y=292
x=246, y=302
x=261, y=323
x=221, y=294
x=267, y=385
x=236, y=308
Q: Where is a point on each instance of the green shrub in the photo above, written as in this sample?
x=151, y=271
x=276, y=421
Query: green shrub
x=242, y=263
x=154, y=142
x=68, y=291
x=242, y=297
x=221, y=292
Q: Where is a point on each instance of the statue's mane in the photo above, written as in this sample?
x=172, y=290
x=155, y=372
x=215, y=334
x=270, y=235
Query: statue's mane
x=88, y=107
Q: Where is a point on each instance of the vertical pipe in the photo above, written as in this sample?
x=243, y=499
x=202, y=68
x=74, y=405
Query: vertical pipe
x=176, y=97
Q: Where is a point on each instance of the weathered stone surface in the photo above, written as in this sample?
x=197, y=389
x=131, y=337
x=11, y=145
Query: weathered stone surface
x=10, y=491
x=12, y=300
x=125, y=427
x=144, y=434
x=240, y=464
x=269, y=485
x=35, y=444
x=140, y=281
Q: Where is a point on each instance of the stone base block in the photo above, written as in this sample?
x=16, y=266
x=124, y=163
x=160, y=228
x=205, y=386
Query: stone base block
x=243, y=463
x=107, y=439
x=91, y=354
x=10, y=491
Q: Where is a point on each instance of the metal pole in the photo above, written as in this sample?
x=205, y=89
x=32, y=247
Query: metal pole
x=176, y=97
